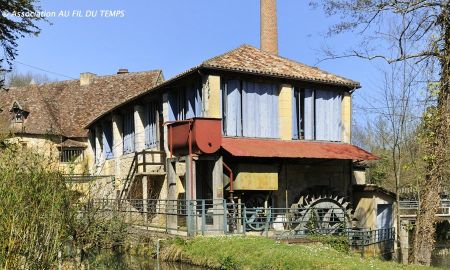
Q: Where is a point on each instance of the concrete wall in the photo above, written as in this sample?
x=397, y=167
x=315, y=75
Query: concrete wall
x=256, y=177
x=366, y=208
x=359, y=176
x=285, y=112
x=346, y=117
x=212, y=100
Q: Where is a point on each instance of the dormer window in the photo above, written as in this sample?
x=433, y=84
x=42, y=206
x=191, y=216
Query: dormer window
x=18, y=114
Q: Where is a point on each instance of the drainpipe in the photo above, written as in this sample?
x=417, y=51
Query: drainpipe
x=190, y=159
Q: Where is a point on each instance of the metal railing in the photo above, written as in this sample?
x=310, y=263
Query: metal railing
x=85, y=178
x=221, y=217
x=202, y=217
x=409, y=208
x=140, y=160
x=365, y=237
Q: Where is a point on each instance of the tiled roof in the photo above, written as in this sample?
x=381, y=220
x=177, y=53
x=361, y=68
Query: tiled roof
x=65, y=108
x=266, y=148
x=248, y=59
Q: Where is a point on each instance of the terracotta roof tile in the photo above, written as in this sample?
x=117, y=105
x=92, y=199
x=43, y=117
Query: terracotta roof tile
x=249, y=59
x=65, y=108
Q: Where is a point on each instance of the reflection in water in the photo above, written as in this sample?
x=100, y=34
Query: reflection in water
x=120, y=261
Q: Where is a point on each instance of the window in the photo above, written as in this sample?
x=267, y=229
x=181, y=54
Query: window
x=316, y=115
x=185, y=102
x=107, y=139
x=151, y=124
x=128, y=132
x=18, y=114
x=70, y=155
x=250, y=109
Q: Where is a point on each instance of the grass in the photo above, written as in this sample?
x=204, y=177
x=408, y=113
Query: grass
x=240, y=252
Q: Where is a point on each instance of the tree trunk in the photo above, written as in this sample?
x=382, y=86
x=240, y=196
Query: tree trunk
x=435, y=140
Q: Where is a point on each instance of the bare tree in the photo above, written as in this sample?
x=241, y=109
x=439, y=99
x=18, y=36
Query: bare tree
x=16, y=79
x=422, y=36
x=13, y=27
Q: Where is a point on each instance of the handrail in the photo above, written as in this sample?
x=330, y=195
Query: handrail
x=134, y=168
x=130, y=175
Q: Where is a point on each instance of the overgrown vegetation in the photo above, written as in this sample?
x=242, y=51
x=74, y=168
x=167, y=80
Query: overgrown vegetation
x=34, y=211
x=420, y=37
x=262, y=253
x=41, y=220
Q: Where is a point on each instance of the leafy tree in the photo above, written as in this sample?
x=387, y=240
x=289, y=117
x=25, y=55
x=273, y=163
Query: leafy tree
x=12, y=28
x=422, y=35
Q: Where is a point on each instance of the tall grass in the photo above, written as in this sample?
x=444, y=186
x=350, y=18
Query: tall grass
x=35, y=210
x=42, y=221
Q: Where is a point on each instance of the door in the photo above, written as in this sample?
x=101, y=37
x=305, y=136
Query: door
x=384, y=216
x=384, y=221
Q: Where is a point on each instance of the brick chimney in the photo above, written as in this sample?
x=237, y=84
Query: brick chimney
x=269, y=31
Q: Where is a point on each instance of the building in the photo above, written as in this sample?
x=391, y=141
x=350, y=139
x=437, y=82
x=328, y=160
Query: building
x=245, y=141
x=51, y=117
x=249, y=130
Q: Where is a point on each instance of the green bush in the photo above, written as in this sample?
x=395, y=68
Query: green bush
x=339, y=243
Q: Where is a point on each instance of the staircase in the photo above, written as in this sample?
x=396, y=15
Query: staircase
x=146, y=162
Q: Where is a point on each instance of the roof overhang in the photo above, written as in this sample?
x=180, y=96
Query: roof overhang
x=365, y=188
x=69, y=143
x=267, y=148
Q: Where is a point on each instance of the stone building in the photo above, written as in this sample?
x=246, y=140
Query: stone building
x=51, y=117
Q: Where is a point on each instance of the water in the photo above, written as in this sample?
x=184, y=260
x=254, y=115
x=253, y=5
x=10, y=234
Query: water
x=120, y=261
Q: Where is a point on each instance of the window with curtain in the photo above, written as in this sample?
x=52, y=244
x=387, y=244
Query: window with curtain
x=128, y=132
x=250, y=109
x=107, y=139
x=151, y=124
x=185, y=102
x=316, y=114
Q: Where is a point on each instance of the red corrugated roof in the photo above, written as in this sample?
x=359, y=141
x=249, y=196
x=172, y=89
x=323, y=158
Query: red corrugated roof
x=243, y=147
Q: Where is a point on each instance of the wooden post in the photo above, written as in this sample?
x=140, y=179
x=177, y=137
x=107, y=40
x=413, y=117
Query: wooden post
x=172, y=194
x=145, y=197
x=217, y=185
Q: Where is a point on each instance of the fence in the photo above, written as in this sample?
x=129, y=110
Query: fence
x=202, y=217
x=408, y=208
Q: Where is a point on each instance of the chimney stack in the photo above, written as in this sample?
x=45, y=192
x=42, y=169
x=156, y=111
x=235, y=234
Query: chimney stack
x=86, y=78
x=122, y=71
x=269, y=31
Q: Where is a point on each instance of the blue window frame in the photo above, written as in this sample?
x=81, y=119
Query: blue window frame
x=151, y=124
x=128, y=132
x=107, y=139
x=316, y=114
x=250, y=109
x=185, y=102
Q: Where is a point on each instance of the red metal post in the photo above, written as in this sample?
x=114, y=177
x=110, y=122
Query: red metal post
x=231, y=175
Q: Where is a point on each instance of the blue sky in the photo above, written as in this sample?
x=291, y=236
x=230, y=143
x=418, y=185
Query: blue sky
x=174, y=35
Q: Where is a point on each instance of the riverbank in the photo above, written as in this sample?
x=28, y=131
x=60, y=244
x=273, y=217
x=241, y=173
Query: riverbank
x=262, y=253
